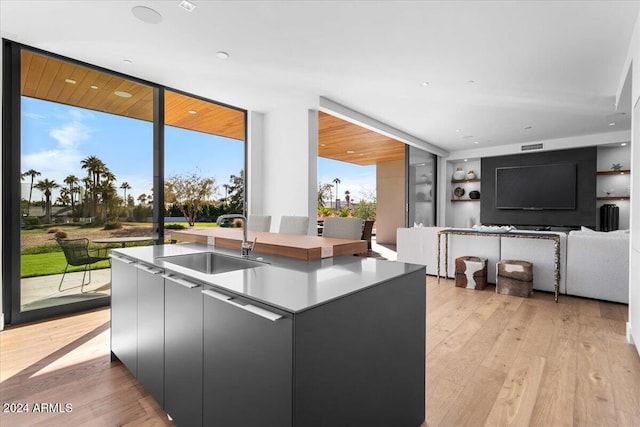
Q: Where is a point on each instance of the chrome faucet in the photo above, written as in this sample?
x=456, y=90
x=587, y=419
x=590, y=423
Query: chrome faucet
x=246, y=247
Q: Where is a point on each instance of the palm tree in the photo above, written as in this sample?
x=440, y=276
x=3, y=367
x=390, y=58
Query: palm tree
x=107, y=190
x=46, y=186
x=32, y=173
x=64, y=199
x=337, y=181
x=72, y=181
x=142, y=199
x=95, y=168
x=347, y=197
x=125, y=186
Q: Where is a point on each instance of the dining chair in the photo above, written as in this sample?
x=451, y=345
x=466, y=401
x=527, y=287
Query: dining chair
x=294, y=225
x=367, y=232
x=342, y=228
x=259, y=223
x=76, y=252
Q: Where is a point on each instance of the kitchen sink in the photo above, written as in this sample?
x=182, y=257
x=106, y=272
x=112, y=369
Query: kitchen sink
x=211, y=263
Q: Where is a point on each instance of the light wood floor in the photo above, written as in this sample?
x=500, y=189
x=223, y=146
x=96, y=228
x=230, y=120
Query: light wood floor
x=491, y=360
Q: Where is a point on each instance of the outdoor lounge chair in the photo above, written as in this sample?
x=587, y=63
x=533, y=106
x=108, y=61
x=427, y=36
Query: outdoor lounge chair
x=76, y=252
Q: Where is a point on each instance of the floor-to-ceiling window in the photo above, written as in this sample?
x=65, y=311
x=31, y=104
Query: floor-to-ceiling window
x=204, y=155
x=83, y=154
x=86, y=170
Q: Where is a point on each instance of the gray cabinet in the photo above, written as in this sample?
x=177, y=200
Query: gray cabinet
x=151, y=330
x=358, y=360
x=248, y=356
x=124, y=312
x=183, y=351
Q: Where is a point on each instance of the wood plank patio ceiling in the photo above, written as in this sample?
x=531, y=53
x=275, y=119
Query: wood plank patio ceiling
x=345, y=141
x=46, y=78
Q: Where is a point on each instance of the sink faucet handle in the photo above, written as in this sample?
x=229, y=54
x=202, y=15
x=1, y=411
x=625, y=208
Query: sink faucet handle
x=254, y=243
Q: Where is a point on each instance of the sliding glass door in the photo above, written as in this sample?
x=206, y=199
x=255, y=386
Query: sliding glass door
x=421, y=185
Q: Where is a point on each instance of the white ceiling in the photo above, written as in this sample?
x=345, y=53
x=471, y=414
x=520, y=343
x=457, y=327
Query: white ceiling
x=555, y=66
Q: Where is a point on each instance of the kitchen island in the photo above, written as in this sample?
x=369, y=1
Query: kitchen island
x=222, y=341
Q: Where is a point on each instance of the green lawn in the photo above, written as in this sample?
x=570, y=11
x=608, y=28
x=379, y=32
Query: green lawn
x=49, y=263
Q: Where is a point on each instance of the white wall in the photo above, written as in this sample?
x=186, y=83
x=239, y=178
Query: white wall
x=289, y=163
x=390, y=200
x=255, y=166
x=633, y=63
x=550, y=144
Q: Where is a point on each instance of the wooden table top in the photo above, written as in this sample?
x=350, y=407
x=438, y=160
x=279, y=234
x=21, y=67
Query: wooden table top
x=289, y=245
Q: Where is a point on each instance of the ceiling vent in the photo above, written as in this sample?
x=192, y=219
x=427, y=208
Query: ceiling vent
x=529, y=147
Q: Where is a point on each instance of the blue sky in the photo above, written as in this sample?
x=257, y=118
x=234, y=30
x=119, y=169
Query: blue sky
x=56, y=137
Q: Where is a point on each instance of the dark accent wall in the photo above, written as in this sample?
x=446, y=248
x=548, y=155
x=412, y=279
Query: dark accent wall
x=585, y=212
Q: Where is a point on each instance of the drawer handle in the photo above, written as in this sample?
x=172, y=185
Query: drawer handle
x=148, y=269
x=182, y=282
x=125, y=260
x=216, y=295
x=250, y=308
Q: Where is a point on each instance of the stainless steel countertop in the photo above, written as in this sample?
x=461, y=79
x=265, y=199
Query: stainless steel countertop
x=284, y=283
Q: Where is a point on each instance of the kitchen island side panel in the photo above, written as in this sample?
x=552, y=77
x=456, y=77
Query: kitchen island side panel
x=360, y=360
x=124, y=313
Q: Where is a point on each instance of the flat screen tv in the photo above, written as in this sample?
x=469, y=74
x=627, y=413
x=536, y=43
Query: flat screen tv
x=538, y=187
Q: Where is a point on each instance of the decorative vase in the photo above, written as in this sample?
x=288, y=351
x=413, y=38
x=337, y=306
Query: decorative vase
x=474, y=194
x=458, y=174
x=471, y=174
x=458, y=192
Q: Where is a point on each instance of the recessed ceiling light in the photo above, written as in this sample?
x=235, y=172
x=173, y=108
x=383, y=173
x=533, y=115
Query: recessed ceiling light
x=127, y=61
x=457, y=130
x=528, y=127
x=467, y=137
x=624, y=144
x=70, y=81
x=122, y=94
x=471, y=82
x=221, y=54
x=425, y=83
x=93, y=87
x=192, y=112
x=187, y=5
x=146, y=14
x=466, y=160
x=476, y=142
x=612, y=124
x=322, y=145
x=350, y=152
x=621, y=113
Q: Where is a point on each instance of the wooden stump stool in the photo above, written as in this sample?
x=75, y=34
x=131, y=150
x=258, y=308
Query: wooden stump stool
x=514, y=278
x=471, y=272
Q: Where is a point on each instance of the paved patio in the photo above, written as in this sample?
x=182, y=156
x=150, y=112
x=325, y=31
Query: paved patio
x=40, y=292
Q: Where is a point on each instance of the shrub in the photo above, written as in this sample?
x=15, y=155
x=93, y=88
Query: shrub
x=31, y=221
x=175, y=227
x=61, y=234
x=53, y=230
x=112, y=225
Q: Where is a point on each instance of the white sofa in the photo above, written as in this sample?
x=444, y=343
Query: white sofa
x=592, y=264
x=417, y=245
x=598, y=265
